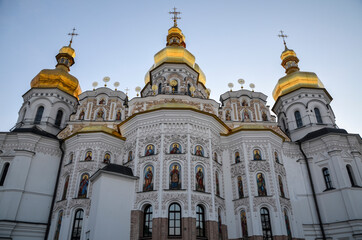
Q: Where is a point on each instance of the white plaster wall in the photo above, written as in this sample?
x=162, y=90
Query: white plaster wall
x=110, y=213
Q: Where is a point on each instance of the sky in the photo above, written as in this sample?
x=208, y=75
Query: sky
x=230, y=39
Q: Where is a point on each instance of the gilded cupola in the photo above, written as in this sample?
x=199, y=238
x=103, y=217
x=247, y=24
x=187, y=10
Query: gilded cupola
x=59, y=77
x=175, y=51
x=294, y=79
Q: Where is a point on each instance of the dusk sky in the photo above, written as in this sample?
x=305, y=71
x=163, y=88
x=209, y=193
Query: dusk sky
x=230, y=39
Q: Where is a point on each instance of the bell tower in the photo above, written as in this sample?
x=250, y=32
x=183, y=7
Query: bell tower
x=53, y=96
x=302, y=104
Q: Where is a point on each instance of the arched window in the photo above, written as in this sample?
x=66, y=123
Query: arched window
x=59, y=224
x=159, y=88
x=217, y=184
x=260, y=181
x=58, y=119
x=148, y=178
x=281, y=187
x=350, y=175
x=298, y=119
x=244, y=224
x=318, y=115
x=188, y=90
x=174, y=220
x=287, y=224
x=39, y=115
x=265, y=224
x=327, y=178
x=200, y=221
x=4, y=173
x=77, y=225
x=65, y=188
x=83, y=186
x=147, y=222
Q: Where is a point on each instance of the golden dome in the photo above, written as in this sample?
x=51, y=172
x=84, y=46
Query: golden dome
x=57, y=78
x=295, y=81
x=175, y=52
x=294, y=78
x=68, y=50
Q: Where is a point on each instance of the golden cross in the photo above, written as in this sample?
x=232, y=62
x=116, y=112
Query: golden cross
x=283, y=36
x=71, y=39
x=127, y=91
x=175, y=17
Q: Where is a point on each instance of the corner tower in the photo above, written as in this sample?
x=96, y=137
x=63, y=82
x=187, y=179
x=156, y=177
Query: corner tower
x=302, y=104
x=52, y=98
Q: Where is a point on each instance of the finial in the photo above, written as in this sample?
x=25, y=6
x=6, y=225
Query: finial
x=241, y=82
x=175, y=17
x=105, y=80
x=127, y=89
x=138, y=89
x=116, y=85
x=71, y=39
x=252, y=86
x=283, y=36
x=94, y=84
x=231, y=85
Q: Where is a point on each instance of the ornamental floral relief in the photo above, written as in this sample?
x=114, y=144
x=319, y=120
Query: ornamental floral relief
x=200, y=198
x=264, y=200
x=143, y=196
x=58, y=206
x=83, y=203
x=241, y=203
x=177, y=196
x=286, y=203
x=279, y=169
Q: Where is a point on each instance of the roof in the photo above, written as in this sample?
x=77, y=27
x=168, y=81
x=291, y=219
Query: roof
x=322, y=132
x=34, y=130
x=118, y=169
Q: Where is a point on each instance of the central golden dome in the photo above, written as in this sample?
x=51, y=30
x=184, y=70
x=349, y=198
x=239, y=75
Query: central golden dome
x=176, y=52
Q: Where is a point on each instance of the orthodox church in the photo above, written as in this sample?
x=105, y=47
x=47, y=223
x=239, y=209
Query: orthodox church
x=173, y=163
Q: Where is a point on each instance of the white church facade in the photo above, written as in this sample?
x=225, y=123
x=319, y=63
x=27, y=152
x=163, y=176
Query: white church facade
x=173, y=163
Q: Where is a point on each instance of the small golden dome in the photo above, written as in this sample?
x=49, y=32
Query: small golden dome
x=294, y=81
x=68, y=50
x=57, y=78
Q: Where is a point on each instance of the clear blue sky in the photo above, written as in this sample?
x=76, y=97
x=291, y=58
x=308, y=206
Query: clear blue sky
x=230, y=39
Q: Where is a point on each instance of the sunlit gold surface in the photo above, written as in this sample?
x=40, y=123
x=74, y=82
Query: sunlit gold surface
x=98, y=128
x=57, y=78
x=176, y=30
x=288, y=53
x=175, y=54
x=68, y=50
x=294, y=81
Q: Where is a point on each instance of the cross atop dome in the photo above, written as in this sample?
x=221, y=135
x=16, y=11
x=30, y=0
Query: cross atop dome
x=175, y=17
x=71, y=39
x=283, y=36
